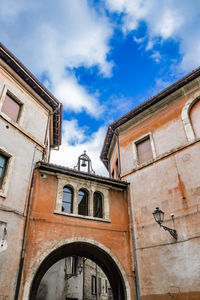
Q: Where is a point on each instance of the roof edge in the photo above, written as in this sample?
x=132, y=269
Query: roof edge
x=83, y=175
x=15, y=64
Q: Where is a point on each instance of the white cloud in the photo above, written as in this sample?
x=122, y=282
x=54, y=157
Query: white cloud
x=75, y=141
x=51, y=37
x=171, y=19
x=76, y=98
x=156, y=56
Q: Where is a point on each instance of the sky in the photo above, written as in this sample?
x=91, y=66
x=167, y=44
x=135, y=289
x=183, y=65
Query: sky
x=101, y=58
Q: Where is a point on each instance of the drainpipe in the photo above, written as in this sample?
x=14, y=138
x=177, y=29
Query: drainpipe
x=46, y=133
x=135, y=270
x=118, y=155
x=24, y=243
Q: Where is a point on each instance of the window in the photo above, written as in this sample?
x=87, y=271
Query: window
x=99, y=286
x=81, y=199
x=74, y=264
x=106, y=286
x=3, y=164
x=194, y=118
x=144, y=150
x=83, y=203
x=11, y=108
x=97, y=205
x=67, y=201
x=94, y=285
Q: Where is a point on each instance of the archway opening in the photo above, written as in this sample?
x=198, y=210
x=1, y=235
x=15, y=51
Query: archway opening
x=86, y=251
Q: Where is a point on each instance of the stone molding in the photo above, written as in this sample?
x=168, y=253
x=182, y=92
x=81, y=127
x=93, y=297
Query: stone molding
x=37, y=262
x=91, y=187
x=185, y=116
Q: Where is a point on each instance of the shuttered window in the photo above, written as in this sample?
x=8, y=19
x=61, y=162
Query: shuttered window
x=144, y=150
x=11, y=108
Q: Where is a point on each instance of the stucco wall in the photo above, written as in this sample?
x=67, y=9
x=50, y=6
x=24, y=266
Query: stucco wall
x=171, y=181
x=22, y=142
x=33, y=116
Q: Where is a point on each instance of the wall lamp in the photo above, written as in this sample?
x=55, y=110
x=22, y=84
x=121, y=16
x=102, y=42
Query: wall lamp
x=159, y=218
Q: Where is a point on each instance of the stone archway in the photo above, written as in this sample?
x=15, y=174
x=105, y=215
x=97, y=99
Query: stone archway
x=98, y=253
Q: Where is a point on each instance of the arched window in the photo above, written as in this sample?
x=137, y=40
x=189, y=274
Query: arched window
x=67, y=201
x=195, y=118
x=83, y=202
x=97, y=205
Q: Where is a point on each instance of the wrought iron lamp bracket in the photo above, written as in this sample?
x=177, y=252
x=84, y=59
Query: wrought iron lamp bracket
x=173, y=232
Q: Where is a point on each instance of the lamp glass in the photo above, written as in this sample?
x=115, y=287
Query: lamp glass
x=158, y=215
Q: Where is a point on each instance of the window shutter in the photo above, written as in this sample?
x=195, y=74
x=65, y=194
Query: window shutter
x=11, y=108
x=144, y=151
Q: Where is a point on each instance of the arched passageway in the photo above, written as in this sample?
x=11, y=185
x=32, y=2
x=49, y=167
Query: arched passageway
x=98, y=255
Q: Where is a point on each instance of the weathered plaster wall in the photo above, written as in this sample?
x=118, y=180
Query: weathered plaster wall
x=22, y=142
x=10, y=254
x=53, y=283
x=168, y=269
x=33, y=126
x=167, y=129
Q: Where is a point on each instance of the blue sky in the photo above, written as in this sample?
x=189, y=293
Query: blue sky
x=101, y=58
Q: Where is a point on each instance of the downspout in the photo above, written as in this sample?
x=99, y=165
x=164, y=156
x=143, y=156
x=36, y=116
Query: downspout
x=24, y=243
x=118, y=155
x=135, y=270
x=47, y=129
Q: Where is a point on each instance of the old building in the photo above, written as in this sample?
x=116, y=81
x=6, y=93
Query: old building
x=52, y=217
x=74, y=278
x=81, y=215
x=156, y=148
x=30, y=124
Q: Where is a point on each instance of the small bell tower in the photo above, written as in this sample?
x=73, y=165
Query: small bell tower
x=84, y=164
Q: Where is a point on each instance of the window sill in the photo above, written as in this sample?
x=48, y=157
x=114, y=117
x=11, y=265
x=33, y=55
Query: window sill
x=19, y=127
x=82, y=217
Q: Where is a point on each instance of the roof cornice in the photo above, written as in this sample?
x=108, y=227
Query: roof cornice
x=82, y=175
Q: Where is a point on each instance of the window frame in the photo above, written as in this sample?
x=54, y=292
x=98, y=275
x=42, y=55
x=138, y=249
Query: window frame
x=72, y=199
x=4, y=168
x=11, y=97
x=93, y=285
x=7, y=91
x=7, y=173
x=101, y=208
x=99, y=285
x=77, y=184
x=87, y=200
x=135, y=150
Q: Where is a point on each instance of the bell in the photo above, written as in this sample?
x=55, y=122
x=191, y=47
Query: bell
x=83, y=164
